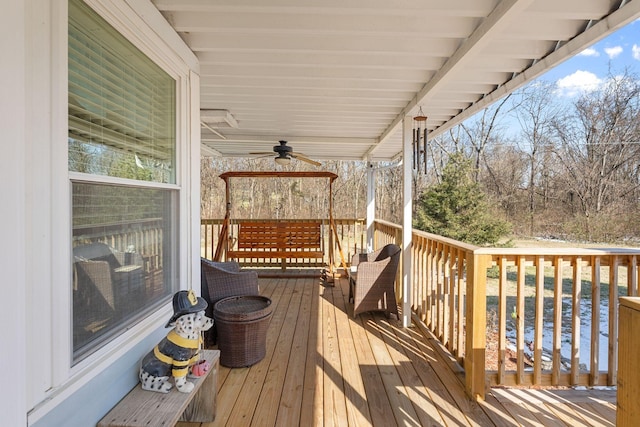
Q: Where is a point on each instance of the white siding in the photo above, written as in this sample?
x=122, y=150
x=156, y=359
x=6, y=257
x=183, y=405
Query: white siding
x=13, y=227
x=36, y=223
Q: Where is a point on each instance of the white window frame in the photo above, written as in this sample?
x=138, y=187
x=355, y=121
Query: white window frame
x=50, y=352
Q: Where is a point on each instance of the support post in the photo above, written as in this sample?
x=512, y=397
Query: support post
x=334, y=230
x=476, y=325
x=223, y=238
x=371, y=205
x=407, y=223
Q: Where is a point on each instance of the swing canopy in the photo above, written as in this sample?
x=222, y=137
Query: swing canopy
x=278, y=174
x=282, y=239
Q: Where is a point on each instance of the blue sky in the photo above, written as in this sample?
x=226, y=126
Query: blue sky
x=589, y=69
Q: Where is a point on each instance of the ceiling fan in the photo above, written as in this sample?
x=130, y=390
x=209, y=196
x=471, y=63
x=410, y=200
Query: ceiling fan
x=285, y=154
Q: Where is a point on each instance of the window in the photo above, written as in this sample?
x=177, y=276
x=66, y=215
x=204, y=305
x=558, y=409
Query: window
x=122, y=162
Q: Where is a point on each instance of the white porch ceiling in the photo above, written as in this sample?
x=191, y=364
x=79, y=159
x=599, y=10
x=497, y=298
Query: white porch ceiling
x=336, y=77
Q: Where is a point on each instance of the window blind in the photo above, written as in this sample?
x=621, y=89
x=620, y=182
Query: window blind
x=121, y=104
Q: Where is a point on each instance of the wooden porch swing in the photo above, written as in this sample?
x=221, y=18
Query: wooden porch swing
x=278, y=239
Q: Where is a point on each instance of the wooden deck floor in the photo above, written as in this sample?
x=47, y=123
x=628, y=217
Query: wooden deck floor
x=325, y=368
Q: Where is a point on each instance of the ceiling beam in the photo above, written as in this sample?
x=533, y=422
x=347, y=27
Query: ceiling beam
x=251, y=139
x=488, y=29
x=627, y=12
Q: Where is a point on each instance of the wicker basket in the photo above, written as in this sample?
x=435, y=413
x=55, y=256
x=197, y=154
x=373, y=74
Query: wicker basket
x=242, y=323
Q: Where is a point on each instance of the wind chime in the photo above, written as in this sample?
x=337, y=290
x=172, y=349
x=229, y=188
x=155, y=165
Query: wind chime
x=420, y=141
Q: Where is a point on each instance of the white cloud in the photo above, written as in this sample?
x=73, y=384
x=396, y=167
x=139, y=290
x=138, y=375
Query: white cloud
x=635, y=51
x=577, y=83
x=589, y=52
x=613, y=52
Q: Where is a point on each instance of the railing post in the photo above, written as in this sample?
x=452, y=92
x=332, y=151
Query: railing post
x=628, y=374
x=476, y=324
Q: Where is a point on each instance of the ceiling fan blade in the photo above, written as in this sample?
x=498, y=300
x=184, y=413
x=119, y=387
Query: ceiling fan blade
x=296, y=153
x=304, y=159
x=263, y=153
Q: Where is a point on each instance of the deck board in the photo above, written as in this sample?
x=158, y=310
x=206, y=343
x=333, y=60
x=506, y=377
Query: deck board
x=272, y=389
x=334, y=404
x=357, y=408
x=245, y=406
x=290, y=406
x=325, y=368
x=403, y=410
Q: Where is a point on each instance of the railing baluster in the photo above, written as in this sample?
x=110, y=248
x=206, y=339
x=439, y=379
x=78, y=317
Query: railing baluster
x=424, y=303
x=208, y=237
x=452, y=300
x=575, y=320
x=557, y=321
x=460, y=293
x=612, y=377
x=594, y=365
x=502, y=318
x=414, y=277
x=632, y=276
x=520, y=320
x=446, y=300
x=431, y=285
x=538, y=323
x=441, y=290
x=438, y=284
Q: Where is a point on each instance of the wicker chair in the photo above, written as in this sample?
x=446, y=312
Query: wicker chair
x=221, y=280
x=94, y=305
x=373, y=288
x=118, y=276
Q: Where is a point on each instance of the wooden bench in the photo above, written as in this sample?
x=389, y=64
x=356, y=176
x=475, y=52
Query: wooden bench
x=278, y=239
x=148, y=408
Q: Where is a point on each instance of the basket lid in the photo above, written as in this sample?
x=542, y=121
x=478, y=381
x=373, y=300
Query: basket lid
x=242, y=305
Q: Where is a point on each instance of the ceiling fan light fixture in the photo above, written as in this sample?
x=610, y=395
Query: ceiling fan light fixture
x=283, y=160
x=218, y=118
x=285, y=153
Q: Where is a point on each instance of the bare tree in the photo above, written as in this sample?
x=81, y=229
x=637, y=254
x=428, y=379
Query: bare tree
x=536, y=113
x=505, y=177
x=483, y=130
x=600, y=150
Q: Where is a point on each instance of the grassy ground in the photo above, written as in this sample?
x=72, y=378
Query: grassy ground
x=549, y=283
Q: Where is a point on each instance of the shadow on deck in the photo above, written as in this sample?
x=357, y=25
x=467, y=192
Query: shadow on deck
x=323, y=367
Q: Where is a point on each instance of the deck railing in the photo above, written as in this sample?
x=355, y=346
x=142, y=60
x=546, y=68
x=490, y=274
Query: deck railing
x=522, y=316
x=142, y=236
x=511, y=316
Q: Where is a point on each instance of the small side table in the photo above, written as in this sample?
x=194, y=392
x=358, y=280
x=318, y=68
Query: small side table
x=129, y=287
x=242, y=323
